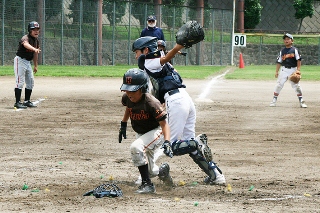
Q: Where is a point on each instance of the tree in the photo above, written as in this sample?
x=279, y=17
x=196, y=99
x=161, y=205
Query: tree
x=14, y=9
x=252, y=13
x=139, y=10
x=169, y=7
x=206, y=13
x=90, y=8
x=303, y=9
x=172, y=9
x=120, y=9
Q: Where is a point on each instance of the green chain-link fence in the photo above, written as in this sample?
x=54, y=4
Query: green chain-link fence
x=73, y=32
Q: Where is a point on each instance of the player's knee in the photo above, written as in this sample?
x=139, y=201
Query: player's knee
x=20, y=85
x=137, y=156
x=181, y=147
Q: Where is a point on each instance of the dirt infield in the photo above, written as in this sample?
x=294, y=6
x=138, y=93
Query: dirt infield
x=68, y=145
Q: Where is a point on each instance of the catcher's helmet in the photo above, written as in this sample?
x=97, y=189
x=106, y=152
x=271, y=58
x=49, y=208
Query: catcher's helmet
x=147, y=41
x=32, y=25
x=161, y=43
x=135, y=79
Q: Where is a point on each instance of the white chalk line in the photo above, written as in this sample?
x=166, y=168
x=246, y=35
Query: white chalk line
x=205, y=92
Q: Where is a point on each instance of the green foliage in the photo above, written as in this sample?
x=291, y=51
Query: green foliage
x=90, y=14
x=142, y=12
x=14, y=10
x=252, y=13
x=303, y=8
x=171, y=9
x=120, y=9
x=193, y=12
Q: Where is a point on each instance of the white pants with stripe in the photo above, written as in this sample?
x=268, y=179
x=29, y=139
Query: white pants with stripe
x=143, y=150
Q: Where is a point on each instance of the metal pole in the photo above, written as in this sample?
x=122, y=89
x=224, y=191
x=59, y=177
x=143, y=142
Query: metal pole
x=233, y=20
x=97, y=34
x=221, y=38
x=3, y=10
x=80, y=31
x=61, y=50
x=113, y=30
x=212, y=43
x=173, y=27
x=129, y=34
x=24, y=17
x=43, y=32
x=100, y=32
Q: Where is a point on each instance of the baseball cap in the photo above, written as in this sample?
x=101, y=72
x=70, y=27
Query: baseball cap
x=151, y=18
x=287, y=35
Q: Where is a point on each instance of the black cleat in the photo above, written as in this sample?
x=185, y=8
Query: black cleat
x=29, y=104
x=19, y=105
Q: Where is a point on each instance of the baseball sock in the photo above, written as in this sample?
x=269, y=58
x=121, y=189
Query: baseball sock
x=144, y=174
x=17, y=92
x=275, y=98
x=300, y=98
x=27, y=94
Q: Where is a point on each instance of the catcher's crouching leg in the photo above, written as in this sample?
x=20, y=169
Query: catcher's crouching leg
x=182, y=147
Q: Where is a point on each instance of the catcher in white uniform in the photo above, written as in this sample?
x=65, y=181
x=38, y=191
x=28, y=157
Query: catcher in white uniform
x=168, y=88
x=289, y=60
x=147, y=115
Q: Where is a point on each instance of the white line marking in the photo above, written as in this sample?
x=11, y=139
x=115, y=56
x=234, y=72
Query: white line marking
x=203, y=95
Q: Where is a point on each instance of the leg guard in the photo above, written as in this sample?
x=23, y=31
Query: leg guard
x=203, y=147
x=206, y=166
x=181, y=147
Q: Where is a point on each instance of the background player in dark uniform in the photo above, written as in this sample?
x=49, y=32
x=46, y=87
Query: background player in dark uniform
x=152, y=29
x=147, y=115
x=28, y=50
x=289, y=60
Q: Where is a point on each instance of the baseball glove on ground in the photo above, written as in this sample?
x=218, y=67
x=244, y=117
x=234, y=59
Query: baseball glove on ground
x=295, y=77
x=189, y=34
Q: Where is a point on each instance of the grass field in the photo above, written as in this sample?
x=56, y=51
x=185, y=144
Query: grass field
x=264, y=72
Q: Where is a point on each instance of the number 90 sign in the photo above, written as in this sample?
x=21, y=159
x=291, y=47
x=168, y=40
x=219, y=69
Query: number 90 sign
x=239, y=40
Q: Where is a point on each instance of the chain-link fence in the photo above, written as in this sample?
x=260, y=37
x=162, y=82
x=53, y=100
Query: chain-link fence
x=73, y=32
x=101, y=32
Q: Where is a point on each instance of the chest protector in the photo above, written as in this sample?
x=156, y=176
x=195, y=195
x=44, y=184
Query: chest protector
x=163, y=81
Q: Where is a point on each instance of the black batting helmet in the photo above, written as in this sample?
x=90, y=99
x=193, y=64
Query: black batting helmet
x=135, y=79
x=147, y=41
x=32, y=25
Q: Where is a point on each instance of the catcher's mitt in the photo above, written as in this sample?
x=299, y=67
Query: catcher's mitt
x=189, y=34
x=295, y=77
x=105, y=190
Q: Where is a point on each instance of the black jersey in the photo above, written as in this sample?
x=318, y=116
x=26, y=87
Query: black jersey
x=288, y=57
x=24, y=52
x=145, y=114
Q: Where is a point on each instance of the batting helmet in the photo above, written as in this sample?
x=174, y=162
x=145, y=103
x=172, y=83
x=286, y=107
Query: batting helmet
x=147, y=41
x=161, y=43
x=135, y=79
x=32, y=25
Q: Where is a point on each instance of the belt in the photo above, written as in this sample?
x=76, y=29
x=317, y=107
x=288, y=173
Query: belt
x=290, y=67
x=174, y=91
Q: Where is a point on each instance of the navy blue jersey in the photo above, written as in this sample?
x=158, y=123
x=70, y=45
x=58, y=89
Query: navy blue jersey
x=288, y=57
x=152, y=31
